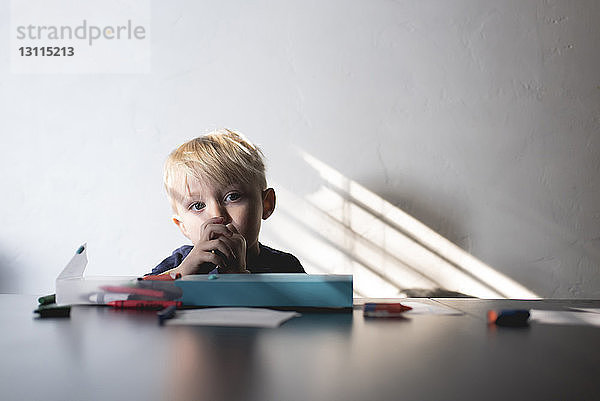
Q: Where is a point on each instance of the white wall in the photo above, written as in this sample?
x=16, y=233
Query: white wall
x=479, y=118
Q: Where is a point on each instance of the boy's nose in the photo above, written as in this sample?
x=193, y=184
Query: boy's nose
x=218, y=210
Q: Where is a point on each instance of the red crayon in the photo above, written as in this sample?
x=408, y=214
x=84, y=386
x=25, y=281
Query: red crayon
x=162, y=277
x=385, y=310
x=152, y=305
x=133, y=290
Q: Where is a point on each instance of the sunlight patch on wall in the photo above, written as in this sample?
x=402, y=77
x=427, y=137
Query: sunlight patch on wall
x=343, y=227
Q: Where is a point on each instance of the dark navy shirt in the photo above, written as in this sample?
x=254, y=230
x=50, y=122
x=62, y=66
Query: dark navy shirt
x=268, y=260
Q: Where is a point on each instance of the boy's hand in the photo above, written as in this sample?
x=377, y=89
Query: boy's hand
x=237, y=244
x=220, y=245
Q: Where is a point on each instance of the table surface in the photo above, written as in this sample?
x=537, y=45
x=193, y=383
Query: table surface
x=104, y=354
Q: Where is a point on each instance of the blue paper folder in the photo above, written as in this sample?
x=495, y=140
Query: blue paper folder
x=267, y=290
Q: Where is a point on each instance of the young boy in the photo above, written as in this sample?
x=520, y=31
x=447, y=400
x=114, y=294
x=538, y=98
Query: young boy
x=218, y=191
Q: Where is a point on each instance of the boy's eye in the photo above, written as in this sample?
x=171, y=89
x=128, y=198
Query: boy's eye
x=232, y=197
x=197, y=206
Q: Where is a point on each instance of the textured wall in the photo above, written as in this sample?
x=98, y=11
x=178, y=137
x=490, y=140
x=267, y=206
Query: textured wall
x=479, y=118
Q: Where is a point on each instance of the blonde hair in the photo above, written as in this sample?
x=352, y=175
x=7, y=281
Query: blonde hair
x=221, y=157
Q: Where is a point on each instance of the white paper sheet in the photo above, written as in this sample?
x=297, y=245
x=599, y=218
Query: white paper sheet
x=565, y=317
x=241, y=317
x=422, y=308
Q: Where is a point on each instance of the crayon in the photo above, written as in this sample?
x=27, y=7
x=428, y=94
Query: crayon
x=133, y=290
x=170, y=290
x=148, y=305
x=103, y=298
x=47, y=299
x=167, y=313
x=372, y=309
x=53, y=311
x=161, y=277
x=508, y=317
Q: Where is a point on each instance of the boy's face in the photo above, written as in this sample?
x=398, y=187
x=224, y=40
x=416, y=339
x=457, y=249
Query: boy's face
x=239, y=204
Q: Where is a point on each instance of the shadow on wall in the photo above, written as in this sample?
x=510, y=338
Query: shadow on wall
x=8, y=281
x=344, y=228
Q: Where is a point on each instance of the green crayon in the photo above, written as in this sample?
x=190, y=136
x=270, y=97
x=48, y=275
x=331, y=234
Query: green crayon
x=53, y=311
x=47, y=299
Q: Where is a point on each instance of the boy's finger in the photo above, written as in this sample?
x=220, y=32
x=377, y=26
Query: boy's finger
x=236, y=243
x=216, y=258
x=215, y=220
x=232, y=228
x=224, y=248
x=212, y=231
x=212, y=221
x=218, y=246
x=225, y=242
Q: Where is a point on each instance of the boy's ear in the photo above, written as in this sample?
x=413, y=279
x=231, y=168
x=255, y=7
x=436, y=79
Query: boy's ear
x=179, y=223
x=268, y=202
